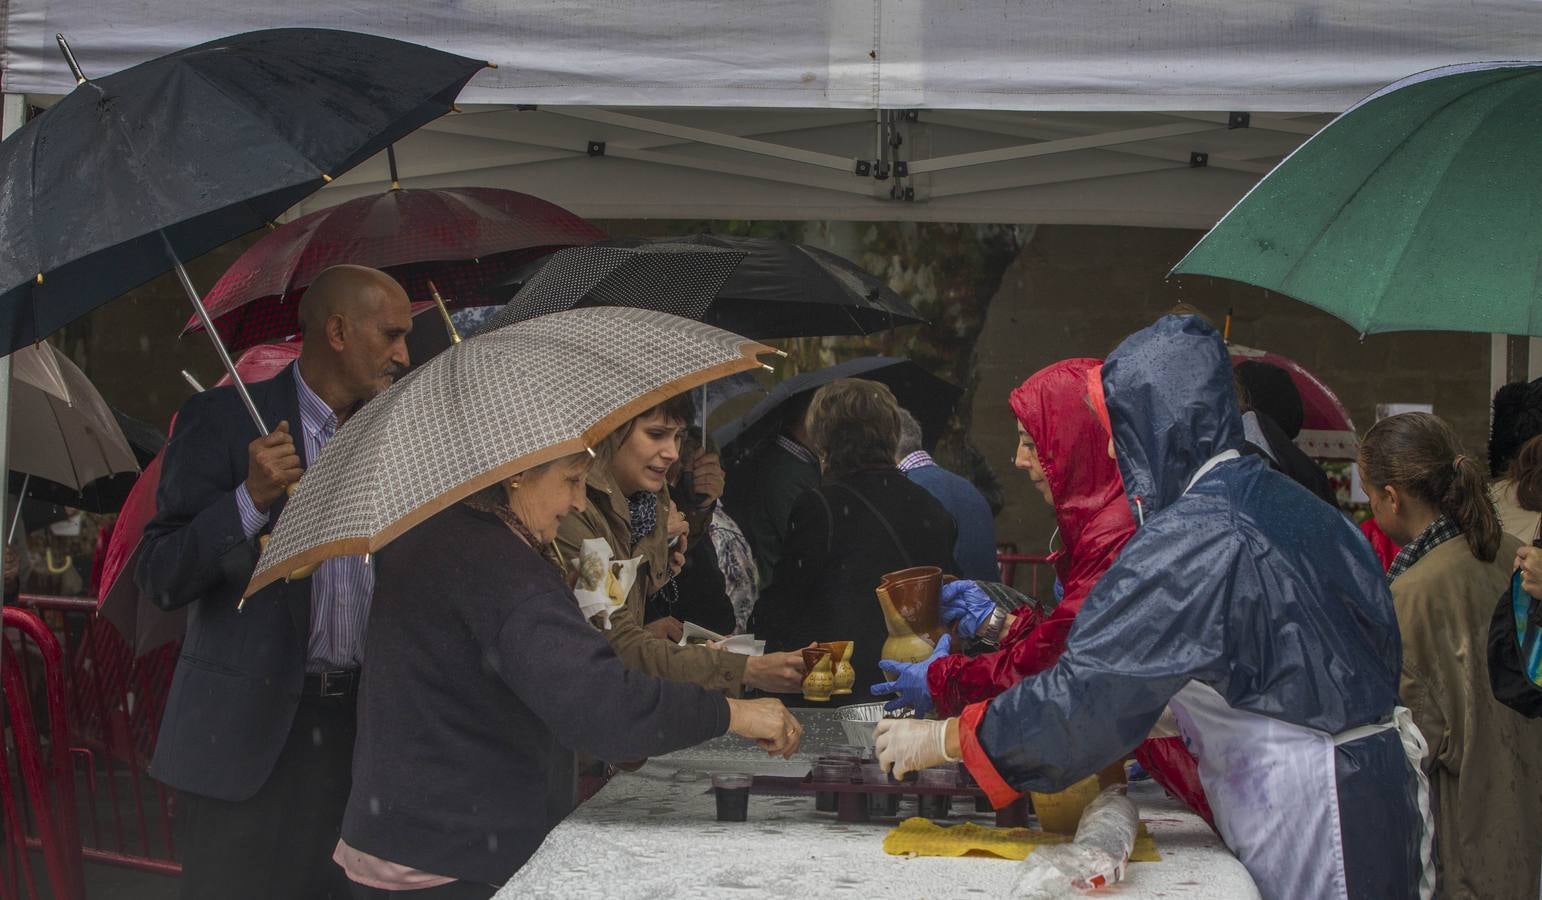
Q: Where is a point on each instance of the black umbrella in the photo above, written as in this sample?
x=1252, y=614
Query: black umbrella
x=679, y=279
x=929, y=398
x=134, y=172
x=781, y=289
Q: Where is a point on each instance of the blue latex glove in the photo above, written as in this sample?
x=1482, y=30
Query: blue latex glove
x=908, y=680
x=1059, y=591
x=964, y=603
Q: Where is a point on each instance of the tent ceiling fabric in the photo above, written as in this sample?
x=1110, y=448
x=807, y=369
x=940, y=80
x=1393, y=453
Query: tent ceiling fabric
x=1216, y=55
x=1060, y=168
x=1034, y=111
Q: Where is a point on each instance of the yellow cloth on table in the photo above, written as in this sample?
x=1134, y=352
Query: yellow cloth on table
x=923, y=837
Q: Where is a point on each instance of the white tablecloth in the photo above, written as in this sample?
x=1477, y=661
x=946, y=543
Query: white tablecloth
x=654, y=833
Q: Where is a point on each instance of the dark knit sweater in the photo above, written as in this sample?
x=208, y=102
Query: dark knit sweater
x=482, y=679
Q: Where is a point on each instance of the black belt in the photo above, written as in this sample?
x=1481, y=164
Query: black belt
x=343, y=683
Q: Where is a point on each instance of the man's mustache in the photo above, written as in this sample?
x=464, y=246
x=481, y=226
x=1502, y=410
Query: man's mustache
x=394, y=371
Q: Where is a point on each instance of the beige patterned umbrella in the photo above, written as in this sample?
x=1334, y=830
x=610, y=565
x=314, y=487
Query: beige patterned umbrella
x=487, y=408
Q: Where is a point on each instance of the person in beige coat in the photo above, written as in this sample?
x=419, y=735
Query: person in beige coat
x=629, y=508
x=1485, y=760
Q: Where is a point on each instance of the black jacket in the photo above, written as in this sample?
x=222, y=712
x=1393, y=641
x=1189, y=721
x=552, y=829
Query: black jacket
x=238, y=680
x=482, y=679
x=836, y=551
x=1291, y=461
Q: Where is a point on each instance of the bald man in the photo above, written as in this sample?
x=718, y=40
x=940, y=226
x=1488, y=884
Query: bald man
x=258, y=731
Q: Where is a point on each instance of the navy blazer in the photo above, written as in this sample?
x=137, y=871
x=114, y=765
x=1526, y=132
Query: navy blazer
x=240, y=674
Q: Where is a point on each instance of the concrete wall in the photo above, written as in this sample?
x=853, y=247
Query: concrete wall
x=1078, y=291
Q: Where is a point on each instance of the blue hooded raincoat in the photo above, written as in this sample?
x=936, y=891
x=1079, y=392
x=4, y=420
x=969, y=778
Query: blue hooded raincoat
x=1260, y=614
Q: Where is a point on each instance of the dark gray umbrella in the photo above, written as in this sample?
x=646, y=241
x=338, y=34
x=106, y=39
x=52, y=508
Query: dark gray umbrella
x=781, y=289
x=134, y=172
x=679, y=279
x=929, y=398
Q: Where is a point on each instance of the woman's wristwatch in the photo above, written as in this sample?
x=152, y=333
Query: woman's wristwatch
x=990, y=632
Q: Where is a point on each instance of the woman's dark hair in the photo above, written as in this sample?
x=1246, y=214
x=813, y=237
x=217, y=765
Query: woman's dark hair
x=1526, y=475
x=1517, y=419
x=1419, y=454
x=678, y=408
x=1271, y=391
x=854, y=424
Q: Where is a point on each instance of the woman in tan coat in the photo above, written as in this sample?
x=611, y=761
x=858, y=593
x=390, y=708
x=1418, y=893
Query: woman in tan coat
x=629, y=508
x=1484, y=760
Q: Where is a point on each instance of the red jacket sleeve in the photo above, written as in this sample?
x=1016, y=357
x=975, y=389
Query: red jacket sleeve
x=1173, y=767
x=1031, y=646
x=978, y=762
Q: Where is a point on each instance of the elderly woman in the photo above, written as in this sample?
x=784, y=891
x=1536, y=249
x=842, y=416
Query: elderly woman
x=866, y=519
x=483, y=679
x=629, y=507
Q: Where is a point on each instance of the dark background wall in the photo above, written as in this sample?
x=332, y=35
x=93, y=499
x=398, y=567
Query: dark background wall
x=1004, y=301
x=1077, y=291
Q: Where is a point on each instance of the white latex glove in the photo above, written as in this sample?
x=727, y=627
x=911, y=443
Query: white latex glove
x=909, y=745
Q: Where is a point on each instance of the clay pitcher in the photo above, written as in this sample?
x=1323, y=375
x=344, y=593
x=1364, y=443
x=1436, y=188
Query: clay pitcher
x=820, y=680
x=840, y=656
x=909, y=602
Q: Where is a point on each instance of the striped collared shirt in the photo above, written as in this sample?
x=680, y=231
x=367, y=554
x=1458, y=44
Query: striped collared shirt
x=796, y=449
x=341, y=588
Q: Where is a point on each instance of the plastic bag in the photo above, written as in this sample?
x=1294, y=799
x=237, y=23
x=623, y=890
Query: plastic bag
x=1096, y=858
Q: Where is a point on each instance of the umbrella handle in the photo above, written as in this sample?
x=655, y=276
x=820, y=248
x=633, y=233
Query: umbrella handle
x=297, y=574
x=208, y=327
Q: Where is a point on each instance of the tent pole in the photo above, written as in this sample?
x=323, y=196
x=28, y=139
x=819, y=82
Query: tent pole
x=1517, y=358
x=12, y=114
x=21, y=496
x=208, y=327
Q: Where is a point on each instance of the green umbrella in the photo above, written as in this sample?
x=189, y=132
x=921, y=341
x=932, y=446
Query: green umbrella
x=1420, y=208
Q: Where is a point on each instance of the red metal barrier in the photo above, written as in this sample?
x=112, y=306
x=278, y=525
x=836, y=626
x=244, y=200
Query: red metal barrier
x=114, y=709
x=1008, y=561
x=49, y=776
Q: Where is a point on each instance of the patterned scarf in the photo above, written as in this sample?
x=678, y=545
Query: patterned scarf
x=643, y=507
x=485, y=501
x=1436, y=533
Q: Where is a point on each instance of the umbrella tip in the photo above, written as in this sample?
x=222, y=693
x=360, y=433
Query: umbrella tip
x=590, y=451
x=40, y=278
x=69, y=58
x=325, y=178
x=490, y=64
x=781, y=353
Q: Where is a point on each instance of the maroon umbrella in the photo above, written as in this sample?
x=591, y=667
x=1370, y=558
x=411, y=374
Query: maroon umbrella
x=142, y=623
x=1326, y=429
x=463, y=239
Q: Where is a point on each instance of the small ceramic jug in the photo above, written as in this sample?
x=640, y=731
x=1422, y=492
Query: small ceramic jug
x=820, y=680
x=840, y=655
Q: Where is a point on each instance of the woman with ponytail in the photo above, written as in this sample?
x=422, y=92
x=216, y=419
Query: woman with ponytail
x=1484, y=759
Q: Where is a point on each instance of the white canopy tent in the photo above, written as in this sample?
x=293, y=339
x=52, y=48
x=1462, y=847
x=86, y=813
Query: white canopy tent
x=1032, y=111
x=1128, y=112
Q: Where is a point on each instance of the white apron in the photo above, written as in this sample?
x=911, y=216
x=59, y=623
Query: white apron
x=1273, y=787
